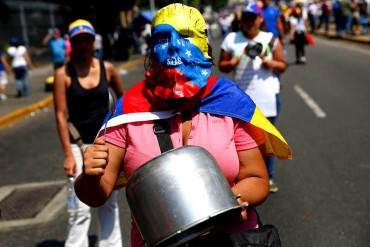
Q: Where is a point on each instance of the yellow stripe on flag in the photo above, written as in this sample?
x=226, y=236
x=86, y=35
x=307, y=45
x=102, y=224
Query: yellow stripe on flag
x=275, y=142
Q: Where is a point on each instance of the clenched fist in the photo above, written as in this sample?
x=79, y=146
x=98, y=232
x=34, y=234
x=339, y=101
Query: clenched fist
x=95, y=159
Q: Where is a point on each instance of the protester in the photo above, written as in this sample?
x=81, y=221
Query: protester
x=81, y=98
x=298, y=34
x=4, y=70
x=325, y=15
x=364, y=20
x=202, y=110
x=338, y=18
x=313, y=10
x=20, y=63
x=225, y=19
x=68, y=47
x=354, y=24
x=257, y=76
x=272, y=21
x=57, y=47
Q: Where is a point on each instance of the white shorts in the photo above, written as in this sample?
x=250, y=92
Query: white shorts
x=3, y=78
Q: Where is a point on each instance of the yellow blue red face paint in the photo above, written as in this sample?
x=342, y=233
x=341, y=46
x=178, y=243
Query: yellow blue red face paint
x=179, y=52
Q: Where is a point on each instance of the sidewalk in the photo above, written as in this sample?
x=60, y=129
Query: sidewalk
x=15, y=108
x=363, y=39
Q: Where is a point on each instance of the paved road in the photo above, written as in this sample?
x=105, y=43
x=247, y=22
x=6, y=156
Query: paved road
x=324, y=196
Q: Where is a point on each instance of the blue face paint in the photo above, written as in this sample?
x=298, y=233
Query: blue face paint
x=174, y=51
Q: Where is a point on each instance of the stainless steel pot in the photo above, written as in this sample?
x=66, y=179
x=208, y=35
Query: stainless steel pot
x=180, y=195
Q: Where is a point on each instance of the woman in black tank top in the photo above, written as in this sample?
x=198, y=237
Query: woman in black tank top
x=87, y=107
x=78, y=98
x=81, y=98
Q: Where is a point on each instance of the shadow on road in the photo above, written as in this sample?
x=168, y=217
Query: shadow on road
x=56, y=243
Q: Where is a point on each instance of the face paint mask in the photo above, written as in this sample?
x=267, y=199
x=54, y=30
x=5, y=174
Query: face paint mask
x=180, y=69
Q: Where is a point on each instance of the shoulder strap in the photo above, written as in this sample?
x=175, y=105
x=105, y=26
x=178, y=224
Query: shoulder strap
x=272, y=42
x=103, y=72
x=161, y=129
x=75, y=134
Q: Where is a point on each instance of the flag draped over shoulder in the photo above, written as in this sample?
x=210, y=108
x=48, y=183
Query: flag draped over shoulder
x=220, y=97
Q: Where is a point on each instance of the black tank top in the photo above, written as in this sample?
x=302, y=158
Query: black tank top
x=87, y=107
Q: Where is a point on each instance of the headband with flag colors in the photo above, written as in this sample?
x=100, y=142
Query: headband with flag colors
x=80, y=26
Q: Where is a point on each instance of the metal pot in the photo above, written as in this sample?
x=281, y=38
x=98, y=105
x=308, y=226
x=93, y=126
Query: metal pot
x=180, y=195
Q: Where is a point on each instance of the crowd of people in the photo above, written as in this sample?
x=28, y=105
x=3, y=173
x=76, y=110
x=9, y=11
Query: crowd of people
x=210, y=112
x=242, y=138
x=16, y=60
x=234, y=120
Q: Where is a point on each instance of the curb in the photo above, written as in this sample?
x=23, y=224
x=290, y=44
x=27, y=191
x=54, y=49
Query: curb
x=345, y=38
x=16, y=115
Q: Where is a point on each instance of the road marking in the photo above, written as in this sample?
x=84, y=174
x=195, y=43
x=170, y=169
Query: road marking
x=343, y=45
x=21, y=113
x=310, y=102
x=47, y=214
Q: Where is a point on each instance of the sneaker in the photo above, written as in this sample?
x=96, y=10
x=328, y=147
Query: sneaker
x=273, y=186
x=303, y=59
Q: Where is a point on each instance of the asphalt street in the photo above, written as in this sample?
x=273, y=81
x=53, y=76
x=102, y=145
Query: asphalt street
x=324, y=197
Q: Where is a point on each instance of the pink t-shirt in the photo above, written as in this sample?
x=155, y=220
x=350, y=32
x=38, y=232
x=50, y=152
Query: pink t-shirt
x=221, y=136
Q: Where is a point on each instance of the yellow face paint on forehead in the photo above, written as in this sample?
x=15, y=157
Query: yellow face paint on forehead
x=188, y=21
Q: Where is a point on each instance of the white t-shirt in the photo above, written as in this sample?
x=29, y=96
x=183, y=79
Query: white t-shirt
x=17, y=55
x=298, y=23
x=259, y=83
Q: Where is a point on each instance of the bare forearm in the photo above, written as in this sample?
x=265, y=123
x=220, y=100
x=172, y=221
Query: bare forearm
x=253, y=190
x=91, y=190
x=64, y=135
x=278, y=66
x=226, y=66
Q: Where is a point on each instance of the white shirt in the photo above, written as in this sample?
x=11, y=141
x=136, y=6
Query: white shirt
x=17, y=55
x=298, y=23
x=260, y=84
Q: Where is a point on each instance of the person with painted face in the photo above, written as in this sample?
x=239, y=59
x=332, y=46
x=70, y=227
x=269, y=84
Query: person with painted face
x=200, y=110
x=81, y=98
x=256, y=75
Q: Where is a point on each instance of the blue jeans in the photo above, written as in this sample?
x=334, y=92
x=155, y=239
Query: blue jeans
x=21, y=80
x=349, y=20
x=270, y=160
x=365, y=24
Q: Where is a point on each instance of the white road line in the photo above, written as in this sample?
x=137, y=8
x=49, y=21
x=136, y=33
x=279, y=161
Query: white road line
x=310, y=102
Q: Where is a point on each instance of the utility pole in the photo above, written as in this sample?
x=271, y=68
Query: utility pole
x=22, y=16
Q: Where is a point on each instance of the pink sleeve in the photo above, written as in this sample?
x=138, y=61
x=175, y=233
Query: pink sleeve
x=116, y=136
x=247, y=136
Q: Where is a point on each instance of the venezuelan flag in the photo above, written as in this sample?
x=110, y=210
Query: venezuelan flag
x=219, y=97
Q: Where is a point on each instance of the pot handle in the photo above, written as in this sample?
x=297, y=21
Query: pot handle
x=244, y=205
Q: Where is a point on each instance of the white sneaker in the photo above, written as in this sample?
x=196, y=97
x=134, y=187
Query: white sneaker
x=303, y=59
